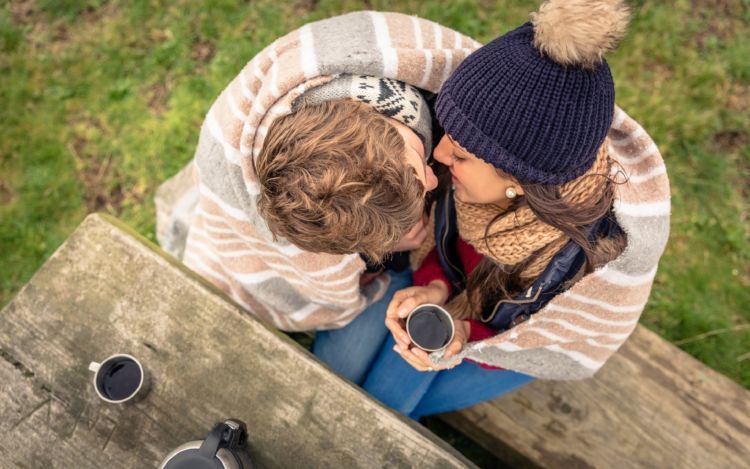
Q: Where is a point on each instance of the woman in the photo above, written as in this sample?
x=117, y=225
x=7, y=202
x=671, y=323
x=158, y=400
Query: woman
x=526, y=120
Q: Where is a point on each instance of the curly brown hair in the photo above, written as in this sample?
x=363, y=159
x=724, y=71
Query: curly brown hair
x=334, y=178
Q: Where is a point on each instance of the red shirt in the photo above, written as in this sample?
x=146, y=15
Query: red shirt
x=432, y=270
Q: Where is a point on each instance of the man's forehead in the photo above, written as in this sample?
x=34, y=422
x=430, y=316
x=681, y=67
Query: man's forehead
x=421, y=159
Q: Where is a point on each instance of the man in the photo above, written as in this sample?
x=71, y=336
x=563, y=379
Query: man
x=228, y=240
x=339, y=176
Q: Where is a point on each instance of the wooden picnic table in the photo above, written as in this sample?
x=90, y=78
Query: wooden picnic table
x=107, y=290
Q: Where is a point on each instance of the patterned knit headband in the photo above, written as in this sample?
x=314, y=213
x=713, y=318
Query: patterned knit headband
x=392, y=98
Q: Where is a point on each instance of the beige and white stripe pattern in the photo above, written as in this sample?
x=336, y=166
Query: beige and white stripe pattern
x=227, y=241
x=230, y=244
x=575, y=334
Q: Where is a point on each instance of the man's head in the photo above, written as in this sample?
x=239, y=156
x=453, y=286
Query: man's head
x=339, y=177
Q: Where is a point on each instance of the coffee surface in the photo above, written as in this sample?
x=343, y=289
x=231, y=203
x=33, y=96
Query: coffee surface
x=120, y=379
x=429, y=329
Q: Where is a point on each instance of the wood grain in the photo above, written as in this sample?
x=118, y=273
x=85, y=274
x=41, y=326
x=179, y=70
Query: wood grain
x=651, y=405
x=106, y=290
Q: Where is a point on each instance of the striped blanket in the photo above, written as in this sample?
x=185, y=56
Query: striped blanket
x=227, y=242
x=212, y=201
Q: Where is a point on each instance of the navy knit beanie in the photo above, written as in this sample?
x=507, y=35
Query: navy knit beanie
x=538, y=115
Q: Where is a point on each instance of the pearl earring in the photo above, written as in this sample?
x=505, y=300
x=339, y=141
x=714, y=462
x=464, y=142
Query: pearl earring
x=510, y=193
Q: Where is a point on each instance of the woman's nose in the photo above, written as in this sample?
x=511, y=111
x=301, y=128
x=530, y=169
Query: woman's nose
x=442, y=152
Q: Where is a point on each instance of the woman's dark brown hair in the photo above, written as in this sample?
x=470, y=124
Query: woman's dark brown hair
x=490, y=282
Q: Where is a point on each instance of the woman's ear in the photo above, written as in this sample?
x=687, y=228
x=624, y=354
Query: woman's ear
x=513, y=190
x=516, y=185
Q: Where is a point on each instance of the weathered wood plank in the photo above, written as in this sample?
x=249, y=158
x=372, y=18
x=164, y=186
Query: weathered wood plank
x=106, y=291
x=652, y=405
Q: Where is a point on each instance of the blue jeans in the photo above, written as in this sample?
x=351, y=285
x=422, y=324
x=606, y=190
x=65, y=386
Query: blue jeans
x=418, y=393
x=363, y=353
x=351, y=350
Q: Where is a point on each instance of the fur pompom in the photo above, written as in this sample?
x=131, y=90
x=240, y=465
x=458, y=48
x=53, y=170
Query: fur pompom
x=579, y=32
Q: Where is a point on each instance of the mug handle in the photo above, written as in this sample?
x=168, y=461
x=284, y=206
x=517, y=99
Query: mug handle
x=94, y=366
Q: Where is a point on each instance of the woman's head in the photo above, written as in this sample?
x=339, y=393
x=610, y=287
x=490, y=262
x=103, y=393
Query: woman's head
x=537, y=102
x=341, y=178
x=474, y=180
x=564, y=211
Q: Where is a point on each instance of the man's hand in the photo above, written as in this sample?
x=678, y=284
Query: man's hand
x=405, y=300
x=420, y=359
x=414, y=238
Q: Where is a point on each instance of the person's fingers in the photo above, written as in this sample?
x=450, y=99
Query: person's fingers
x=406, y=306
x=410, y=299
x=406, y=293
x=409, y=357
x=423, y=358
x=393, y=326
x=420, y=360
x=398, y=332
x=399, y=296
x=399, y=335
x=395, y=307
x=397, y=299
x=453, y=348
x=390, y=311
x=408, y=354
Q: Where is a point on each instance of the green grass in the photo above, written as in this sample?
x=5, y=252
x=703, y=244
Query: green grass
x=103, y=101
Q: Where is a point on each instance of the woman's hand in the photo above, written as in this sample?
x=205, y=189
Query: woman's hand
x=405, y=300
x=420, y=359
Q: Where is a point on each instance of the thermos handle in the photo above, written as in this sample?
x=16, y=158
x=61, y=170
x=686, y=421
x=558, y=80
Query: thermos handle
x=228, y=434
x=212, y=443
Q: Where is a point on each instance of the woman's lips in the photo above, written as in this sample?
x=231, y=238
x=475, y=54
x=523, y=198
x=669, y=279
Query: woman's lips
x=454, y=179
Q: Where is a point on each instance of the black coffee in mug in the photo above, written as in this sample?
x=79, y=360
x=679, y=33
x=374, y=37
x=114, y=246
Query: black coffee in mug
x=119, y=378
x=430, y=327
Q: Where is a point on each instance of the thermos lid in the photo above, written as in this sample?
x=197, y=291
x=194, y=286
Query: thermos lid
x=188, y=456
x=220, y=450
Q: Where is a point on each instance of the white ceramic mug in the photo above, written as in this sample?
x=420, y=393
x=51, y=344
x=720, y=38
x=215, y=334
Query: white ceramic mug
x=120, y=378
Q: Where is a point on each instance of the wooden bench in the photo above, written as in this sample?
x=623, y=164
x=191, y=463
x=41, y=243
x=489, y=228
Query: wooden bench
x=651, y=405
x=107, y=290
